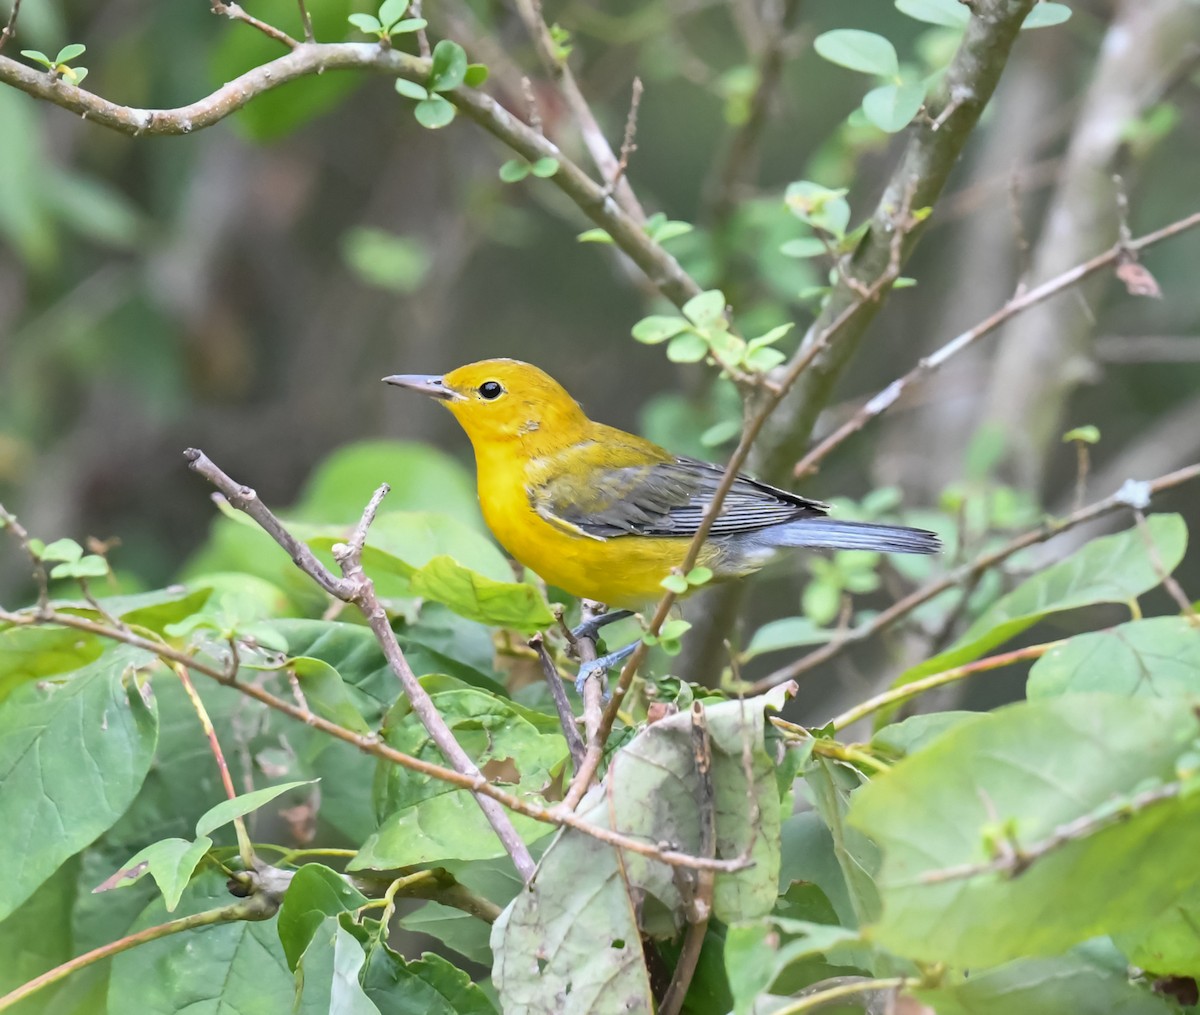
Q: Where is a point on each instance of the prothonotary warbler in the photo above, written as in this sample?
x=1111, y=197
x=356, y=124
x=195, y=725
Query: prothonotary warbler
x=606, y=515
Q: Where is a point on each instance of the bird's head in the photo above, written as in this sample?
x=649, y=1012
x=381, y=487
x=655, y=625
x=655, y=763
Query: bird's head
x=500, y=399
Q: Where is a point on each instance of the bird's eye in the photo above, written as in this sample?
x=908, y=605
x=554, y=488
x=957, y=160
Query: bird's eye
x=490, y=389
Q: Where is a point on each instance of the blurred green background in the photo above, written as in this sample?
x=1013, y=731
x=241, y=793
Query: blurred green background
x=243, y=289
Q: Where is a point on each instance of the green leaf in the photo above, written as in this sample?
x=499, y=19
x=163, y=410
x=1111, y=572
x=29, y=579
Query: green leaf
x=426, y=986
x=804, y=246
x=365, y=23
x=544, y=168
x=39, y=936
x=1046, y=14
x=235, y=967
x=327, y=694
x=699, y=575
x=514, y=170
x=411, y=90
x=1168, y=945
x=171, y=862
x=243, y=804
x=861, y=51
x=414, y=25
x=892, y=107
x=786, y=633
x=39, y=56
x=327, y=976
x=705, y=309
x=656, y=328
x=449, y=67
x=687, y=348
x=948, y=13
x=1112, y=569
x=594, y=236
x=315, y=892
x=819, y=206
x=31, y=653
x=676, y=583
x=1156, y=658
x=91, y=566
x=759, y=361
x=1012, y=779
x=62, y=549
x=756, y=953
x=577, y=917
x=674, y=629
x=477, y=597
x=477, y=74
x=72, y=759
x=1083, y=434
x=434, y=112
x=391, y=11
x=668, y=230
x=69, y=52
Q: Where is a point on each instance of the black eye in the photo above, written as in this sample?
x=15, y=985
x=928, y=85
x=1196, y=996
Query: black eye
x=491, y=389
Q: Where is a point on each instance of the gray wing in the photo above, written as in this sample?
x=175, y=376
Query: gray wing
x=666, y=499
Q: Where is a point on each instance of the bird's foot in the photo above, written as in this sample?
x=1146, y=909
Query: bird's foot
x=602, y=665
x=590, y=628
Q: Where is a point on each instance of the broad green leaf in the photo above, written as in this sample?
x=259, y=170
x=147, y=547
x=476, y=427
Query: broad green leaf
x=476, y=597
x=477, y=73
x=1112, y=569
x=367, y=23
x=577, y=916
x=315, y=892
x=819, y=206
x=785, y=633
x=1046, y=14
x=327, y=977
x=434, y=112
x=858, y=50
x=654, y=329
x=1017, y=776
x=37, y=937
x=902, y=738
x=514, y=171
x=687, y=348
x=62, y=549
x=70, y=52
x=243, y=804
x=171, y=862
x=705, y=309
x=544, y=168
x=72, y=758
x=892, y=107
x=31, y=653
x=1067, y=983
x=1157, y=658
x=91, y=566
x=407, y=25
x=803, y=246
x=424, y=818
x=757, y=952
x=391, y=11
x=449, y=67
x=229, y=968
x=327, y=694
x=1170, y=944
x=948, y=13
x=830, y=785
x=426, y=986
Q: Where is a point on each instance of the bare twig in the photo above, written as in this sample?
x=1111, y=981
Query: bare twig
x=699, y=905
x=562, y=705
x=902, y=693
x=886, y=398
x=965, y=572
x=1015, y=860
x=845, y=987
x=235, y=12
x=628, y=142
x=1169, y=582
x=593, y=137
x=9, y=521
x=306, y=21
x=10, y=29
x=355, y=587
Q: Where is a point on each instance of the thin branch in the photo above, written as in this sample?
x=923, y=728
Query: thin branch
x=355, y=587
x=1169, y=582
x=856, y=985
x=896, y=695
x=10, y=29
x=967, y=572
x=1014, y=859
x=628, y=142
x=306, y=21
x=9, y=521
x=566, y=717
x=256, y=907
x=235, y=12
x=593, y=137
x=888, y=397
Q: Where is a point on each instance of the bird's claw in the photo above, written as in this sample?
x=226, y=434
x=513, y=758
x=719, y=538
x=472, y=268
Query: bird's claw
x=590, y=628
x=601, y=665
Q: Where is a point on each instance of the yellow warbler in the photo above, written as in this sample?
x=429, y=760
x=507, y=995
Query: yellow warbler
x=606, y=515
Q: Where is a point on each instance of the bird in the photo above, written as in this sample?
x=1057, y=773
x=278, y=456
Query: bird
x=607, y=515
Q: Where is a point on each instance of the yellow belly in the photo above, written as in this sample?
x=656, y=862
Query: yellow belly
x=624, y=571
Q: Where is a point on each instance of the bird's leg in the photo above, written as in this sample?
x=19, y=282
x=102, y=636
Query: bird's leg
x=590, y=628
x=603, y=664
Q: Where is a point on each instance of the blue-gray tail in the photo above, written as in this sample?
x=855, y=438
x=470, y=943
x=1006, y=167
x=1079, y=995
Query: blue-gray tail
x=834, y=534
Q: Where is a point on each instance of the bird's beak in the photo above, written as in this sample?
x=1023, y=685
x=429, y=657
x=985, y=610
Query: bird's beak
x=428, y=384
